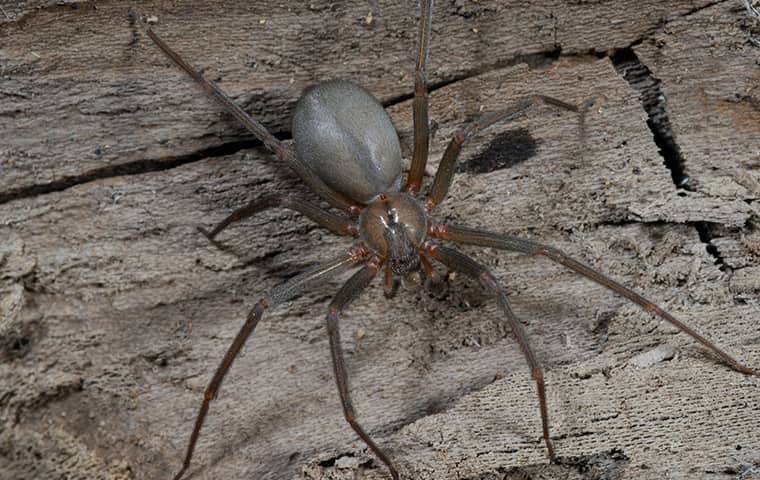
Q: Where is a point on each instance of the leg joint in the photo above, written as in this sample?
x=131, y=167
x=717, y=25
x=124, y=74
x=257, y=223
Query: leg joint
x=652, y=308
x=209, y=394
x=262, y=304
x=358, y=252
x=438, y=230
x=487, y=280
x=258, y=309
x=374, y=265
x=413, y=186
x=420, y=84
x=550, y=252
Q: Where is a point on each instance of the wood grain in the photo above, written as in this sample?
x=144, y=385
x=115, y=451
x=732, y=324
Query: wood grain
x=114, y=311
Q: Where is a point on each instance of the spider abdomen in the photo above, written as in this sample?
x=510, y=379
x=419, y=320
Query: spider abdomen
x=343, y=133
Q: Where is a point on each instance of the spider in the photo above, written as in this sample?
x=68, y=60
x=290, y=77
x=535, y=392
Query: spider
x=347, y=151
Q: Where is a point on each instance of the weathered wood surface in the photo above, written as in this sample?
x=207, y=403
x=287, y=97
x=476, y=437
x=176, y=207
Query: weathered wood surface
x=81, y=81
x=114, y=312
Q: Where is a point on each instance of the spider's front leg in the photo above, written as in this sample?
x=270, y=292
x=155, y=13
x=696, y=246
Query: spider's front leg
x=352, y=288
x=280, y=294
x=508, y=242
x=420, y=104
x=445, y=173
x=460, y=262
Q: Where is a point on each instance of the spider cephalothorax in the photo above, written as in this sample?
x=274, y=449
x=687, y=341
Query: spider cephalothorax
x=394, y=226
x=348, y=153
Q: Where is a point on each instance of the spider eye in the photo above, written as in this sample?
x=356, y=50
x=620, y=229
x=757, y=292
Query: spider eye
x=394, y=216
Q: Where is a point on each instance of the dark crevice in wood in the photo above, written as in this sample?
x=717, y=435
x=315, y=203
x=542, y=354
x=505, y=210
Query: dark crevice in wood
x=704, y=229
x=653, y=100
x=132, y=168
x=330, y=463
x=536, y=60
x=696, y=10
x=631, y=68
x=22, y=18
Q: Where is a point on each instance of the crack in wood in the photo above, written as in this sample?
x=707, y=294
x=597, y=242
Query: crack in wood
x=131, y=168
x=654, y=102
x=696, y=10
x=630, y=67
x=24, y=16
x=537, y=60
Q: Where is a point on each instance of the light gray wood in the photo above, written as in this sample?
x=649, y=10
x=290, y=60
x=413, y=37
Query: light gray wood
x=78, y=81
x=114, y=311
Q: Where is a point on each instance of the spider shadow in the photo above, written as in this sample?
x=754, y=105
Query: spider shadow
x=237, y=243
x=438, y=341
x=434, y=335
x=506, y=150
x=257, y=433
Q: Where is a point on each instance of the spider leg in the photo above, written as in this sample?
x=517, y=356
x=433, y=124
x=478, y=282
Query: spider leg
x=352, y=288
x=445, y=173
x=276, y=296
x=259, y=131
x=420, y=103
x=462, y=263
x=335, y=223
x=431, y=274
x=390, y=283
x=516, y=244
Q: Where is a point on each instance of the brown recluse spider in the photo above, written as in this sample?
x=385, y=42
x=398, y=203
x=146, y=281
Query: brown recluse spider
x=347, y=151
